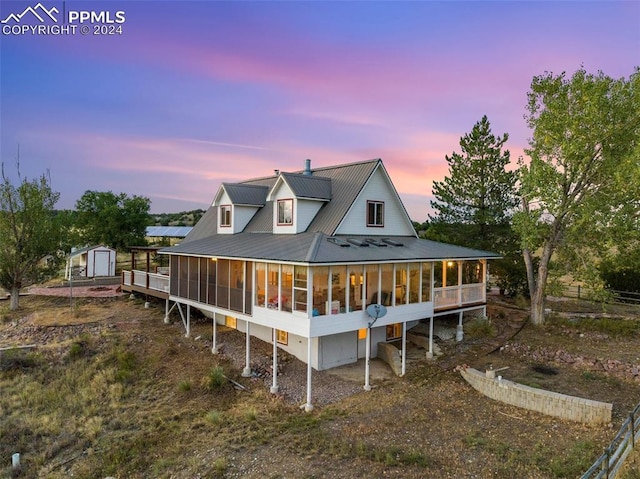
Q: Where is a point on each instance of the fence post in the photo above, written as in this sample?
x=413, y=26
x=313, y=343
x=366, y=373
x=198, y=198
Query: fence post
x=633, y=429
x=578, y=291
x=607, y=461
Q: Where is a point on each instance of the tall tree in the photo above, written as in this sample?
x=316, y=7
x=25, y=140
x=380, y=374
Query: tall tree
x=29, y=232
x=581, y=187
x=118, y=221
x=474, y=204
x=478, y=197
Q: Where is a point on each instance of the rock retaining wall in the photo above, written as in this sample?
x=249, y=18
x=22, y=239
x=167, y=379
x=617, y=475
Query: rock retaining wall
x=546, y=402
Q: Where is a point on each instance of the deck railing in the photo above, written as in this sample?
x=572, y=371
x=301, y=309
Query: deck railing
x=143, y=279
x=453, y=296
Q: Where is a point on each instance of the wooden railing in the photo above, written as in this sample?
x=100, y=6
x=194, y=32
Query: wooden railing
x=453, y=296
x=142, y=279
x=608, y=465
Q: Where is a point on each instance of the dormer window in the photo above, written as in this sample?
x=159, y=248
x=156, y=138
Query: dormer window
x=225, y=215
x=375, y=213
x=285, y=212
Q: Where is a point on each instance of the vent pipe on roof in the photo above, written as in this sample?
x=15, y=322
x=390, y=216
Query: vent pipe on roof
x=307, y=167
x=276, y=172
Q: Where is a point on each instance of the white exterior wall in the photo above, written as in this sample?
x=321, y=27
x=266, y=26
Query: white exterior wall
x=240, y=216
x=283, y=193
x=396, y=222
x=225, y=200
x=107, y=262
x=303, y=213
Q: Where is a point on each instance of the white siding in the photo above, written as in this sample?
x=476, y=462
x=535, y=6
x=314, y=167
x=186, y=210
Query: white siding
x=282, y=192
x=396, y=221
x=241, y=215
x=303, y=213
x=225, y=200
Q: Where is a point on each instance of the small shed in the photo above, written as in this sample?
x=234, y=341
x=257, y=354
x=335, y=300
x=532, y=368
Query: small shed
x=92, y=261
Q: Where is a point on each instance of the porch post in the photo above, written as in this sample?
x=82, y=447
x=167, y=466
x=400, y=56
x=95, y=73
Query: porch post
x=404, y=347
x=308, y=406
x=166, y=311
x=188, y=321
x=459, y=330
x=274, y=384
x=430, y=352
x=367, y=386
x=246, y=372
x=214, y=345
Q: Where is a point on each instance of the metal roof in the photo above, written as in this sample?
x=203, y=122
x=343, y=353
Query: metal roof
x=169, y=231
x=252, y=195
x=321, y=248
x=308, y=186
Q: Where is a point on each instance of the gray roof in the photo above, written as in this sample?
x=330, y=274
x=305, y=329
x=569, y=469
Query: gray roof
x=341, y=184
x=308, y=186
x=86, y=249
x=320, y=248
x=169, y=231
x=251, y=195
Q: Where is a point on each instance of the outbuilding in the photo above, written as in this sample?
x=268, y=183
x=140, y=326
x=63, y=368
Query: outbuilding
x=91, y=261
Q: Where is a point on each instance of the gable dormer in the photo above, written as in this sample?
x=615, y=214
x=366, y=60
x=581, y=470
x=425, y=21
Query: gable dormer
x=377, y=210
x=297, y=198
x=236, y=204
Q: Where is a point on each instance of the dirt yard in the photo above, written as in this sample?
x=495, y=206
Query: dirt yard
x=110, y=390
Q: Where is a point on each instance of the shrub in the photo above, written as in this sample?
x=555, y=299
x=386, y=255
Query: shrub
x=215, y=379
x=479, y=327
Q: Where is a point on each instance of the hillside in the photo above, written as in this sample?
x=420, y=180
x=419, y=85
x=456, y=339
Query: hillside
x=113, y=391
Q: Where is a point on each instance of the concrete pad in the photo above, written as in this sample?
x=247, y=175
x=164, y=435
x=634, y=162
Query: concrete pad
x=378, y=371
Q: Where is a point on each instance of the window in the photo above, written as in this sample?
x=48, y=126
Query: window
x=285, y=212
x=375, y=213
x=282, y=337
x=300, y=288
x=225, y=215
x=394, y=331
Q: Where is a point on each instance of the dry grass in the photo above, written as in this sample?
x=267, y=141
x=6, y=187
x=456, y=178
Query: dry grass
x=134, y=398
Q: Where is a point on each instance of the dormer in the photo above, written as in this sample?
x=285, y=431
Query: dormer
x=236, y=204
x=297, y=198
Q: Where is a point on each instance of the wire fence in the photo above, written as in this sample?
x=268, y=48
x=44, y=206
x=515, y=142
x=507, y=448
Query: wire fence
x=608, y=465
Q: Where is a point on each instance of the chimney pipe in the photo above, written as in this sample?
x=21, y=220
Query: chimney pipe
x=276, y=172
x=307, y=167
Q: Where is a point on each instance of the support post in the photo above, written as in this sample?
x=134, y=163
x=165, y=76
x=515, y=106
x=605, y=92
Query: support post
x=367, y=386
x=246, y=372
x=404, y=348
x=459, y=330
x=308, y=407
x=274, y=384
x=166, y=311
x=188, y=321
x=430, y=352
x=214, y=345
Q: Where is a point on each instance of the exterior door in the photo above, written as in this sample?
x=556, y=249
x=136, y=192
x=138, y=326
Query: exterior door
x=101, y=260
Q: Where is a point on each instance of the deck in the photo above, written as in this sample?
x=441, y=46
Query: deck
x=152, y=284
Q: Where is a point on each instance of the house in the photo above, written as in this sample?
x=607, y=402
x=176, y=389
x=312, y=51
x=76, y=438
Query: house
x=323, y=263
x=91, y=262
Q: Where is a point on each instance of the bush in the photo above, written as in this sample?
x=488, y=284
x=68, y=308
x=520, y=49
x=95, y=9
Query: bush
x=215, y=379
x=479, y=327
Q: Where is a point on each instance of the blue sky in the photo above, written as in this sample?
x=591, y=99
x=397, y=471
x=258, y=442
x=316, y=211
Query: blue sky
x=192, y=94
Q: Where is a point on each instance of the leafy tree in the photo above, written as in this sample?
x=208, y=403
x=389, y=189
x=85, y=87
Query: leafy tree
x=29, y=232
x=118, y=221
x=475, y=202
x=581, y=188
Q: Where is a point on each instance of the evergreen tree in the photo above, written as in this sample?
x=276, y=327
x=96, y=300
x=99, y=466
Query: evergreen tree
x=474, y=203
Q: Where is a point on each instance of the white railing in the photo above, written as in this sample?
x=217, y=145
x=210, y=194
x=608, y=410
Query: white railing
x=458, y=295
x=157, y=282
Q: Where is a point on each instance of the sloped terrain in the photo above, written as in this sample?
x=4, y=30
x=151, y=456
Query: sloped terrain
x=110, y=390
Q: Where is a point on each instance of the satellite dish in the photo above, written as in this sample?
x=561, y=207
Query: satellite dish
x=376, y=311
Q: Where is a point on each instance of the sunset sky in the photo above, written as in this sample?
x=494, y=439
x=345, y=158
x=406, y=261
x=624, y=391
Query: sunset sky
x=192, y=94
